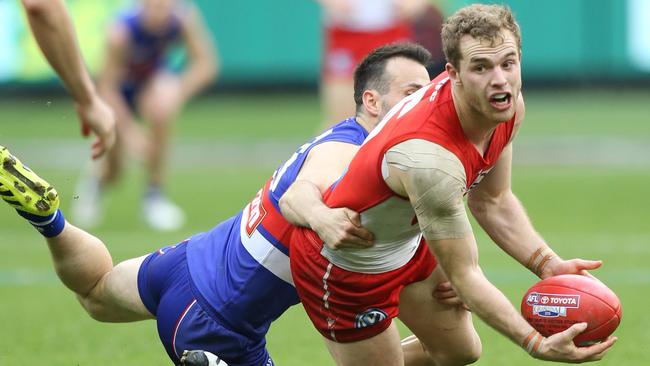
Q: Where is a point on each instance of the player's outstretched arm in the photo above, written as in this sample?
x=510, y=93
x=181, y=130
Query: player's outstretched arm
x=302, y=204
x=435, y=184
x=54, y=33
x=504, y=219
x=459, y=260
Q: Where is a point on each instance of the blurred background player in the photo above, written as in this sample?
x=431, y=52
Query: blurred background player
x=353, y=28
x=426, y=25
x=137, y=82
x=55, y=35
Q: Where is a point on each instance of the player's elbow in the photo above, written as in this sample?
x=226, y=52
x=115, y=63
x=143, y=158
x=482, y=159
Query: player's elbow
x=480, y=205
x=484, y=205
x=285, y=208
x=477, y=206
x=284, y=205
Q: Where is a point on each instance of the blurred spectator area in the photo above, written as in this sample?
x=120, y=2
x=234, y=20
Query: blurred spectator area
x=278, y=43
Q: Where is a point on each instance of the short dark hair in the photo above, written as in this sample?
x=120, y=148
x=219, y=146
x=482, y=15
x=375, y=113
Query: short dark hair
x=370, y=72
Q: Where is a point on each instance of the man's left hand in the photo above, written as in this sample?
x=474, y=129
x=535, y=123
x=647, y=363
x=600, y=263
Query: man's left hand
x=558, y=266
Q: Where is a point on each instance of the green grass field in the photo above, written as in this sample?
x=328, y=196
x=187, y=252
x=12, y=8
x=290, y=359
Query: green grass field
x=593, y=210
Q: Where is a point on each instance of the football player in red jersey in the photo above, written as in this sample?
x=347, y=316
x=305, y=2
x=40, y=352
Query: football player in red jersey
x=410, y=177
x=55, y=35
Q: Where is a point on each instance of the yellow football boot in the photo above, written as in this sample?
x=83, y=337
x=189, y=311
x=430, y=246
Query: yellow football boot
x=23, y=189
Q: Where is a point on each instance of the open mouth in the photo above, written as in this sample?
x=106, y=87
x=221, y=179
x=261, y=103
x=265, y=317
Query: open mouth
x=501, y=101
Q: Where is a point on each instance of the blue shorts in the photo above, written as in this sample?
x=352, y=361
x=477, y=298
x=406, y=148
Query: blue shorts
x=165, y=288
x=129, y=92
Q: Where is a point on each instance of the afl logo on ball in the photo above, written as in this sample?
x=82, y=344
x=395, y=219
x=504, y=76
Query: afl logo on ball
x=552, y=305
x=370, y=317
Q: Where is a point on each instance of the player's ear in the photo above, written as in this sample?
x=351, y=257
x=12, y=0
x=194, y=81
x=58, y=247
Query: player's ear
x=371, y=102
x=453, y=74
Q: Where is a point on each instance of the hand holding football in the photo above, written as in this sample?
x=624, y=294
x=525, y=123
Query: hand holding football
x=554, y=304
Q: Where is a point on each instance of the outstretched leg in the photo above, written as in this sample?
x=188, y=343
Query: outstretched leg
x=81, y=260
x=108, y=293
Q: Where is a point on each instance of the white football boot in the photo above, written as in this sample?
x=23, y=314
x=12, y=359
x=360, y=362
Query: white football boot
x=162, y=214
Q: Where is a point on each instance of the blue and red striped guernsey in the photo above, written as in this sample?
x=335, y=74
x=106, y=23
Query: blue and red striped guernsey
x=147, y=50
x=240, y=269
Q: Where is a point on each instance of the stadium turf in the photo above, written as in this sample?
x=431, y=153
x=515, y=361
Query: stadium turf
x=589, y=211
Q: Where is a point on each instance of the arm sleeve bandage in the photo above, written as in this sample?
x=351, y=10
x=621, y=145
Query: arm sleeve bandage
x=435, y=181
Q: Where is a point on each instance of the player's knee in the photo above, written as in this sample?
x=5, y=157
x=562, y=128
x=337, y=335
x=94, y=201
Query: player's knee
x=472, y=354
x=161, y=121
x=158, y=115
x=96, y=309
x=458, y=355
x=98, y=305
x=465, y=355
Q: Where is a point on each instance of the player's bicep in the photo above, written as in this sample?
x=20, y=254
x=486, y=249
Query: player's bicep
x=437, y=198
x=326, y=162
x=434, y=180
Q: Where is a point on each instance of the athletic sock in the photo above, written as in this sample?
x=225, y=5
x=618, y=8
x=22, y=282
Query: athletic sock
x=153, y=192
x=49, y=226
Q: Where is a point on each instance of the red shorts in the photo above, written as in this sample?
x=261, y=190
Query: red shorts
x=348, y=306
x=344, y=49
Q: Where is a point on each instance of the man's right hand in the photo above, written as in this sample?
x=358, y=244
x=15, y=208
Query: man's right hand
x=559, y=347
x=97, y=117
x=341, y=228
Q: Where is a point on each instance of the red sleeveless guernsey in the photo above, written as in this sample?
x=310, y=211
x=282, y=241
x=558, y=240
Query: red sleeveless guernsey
x=430, y=115
x=338, y=288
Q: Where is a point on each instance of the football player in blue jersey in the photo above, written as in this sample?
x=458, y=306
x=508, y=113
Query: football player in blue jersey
x=220, y=290
x=55, y=35
x=138, y=81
